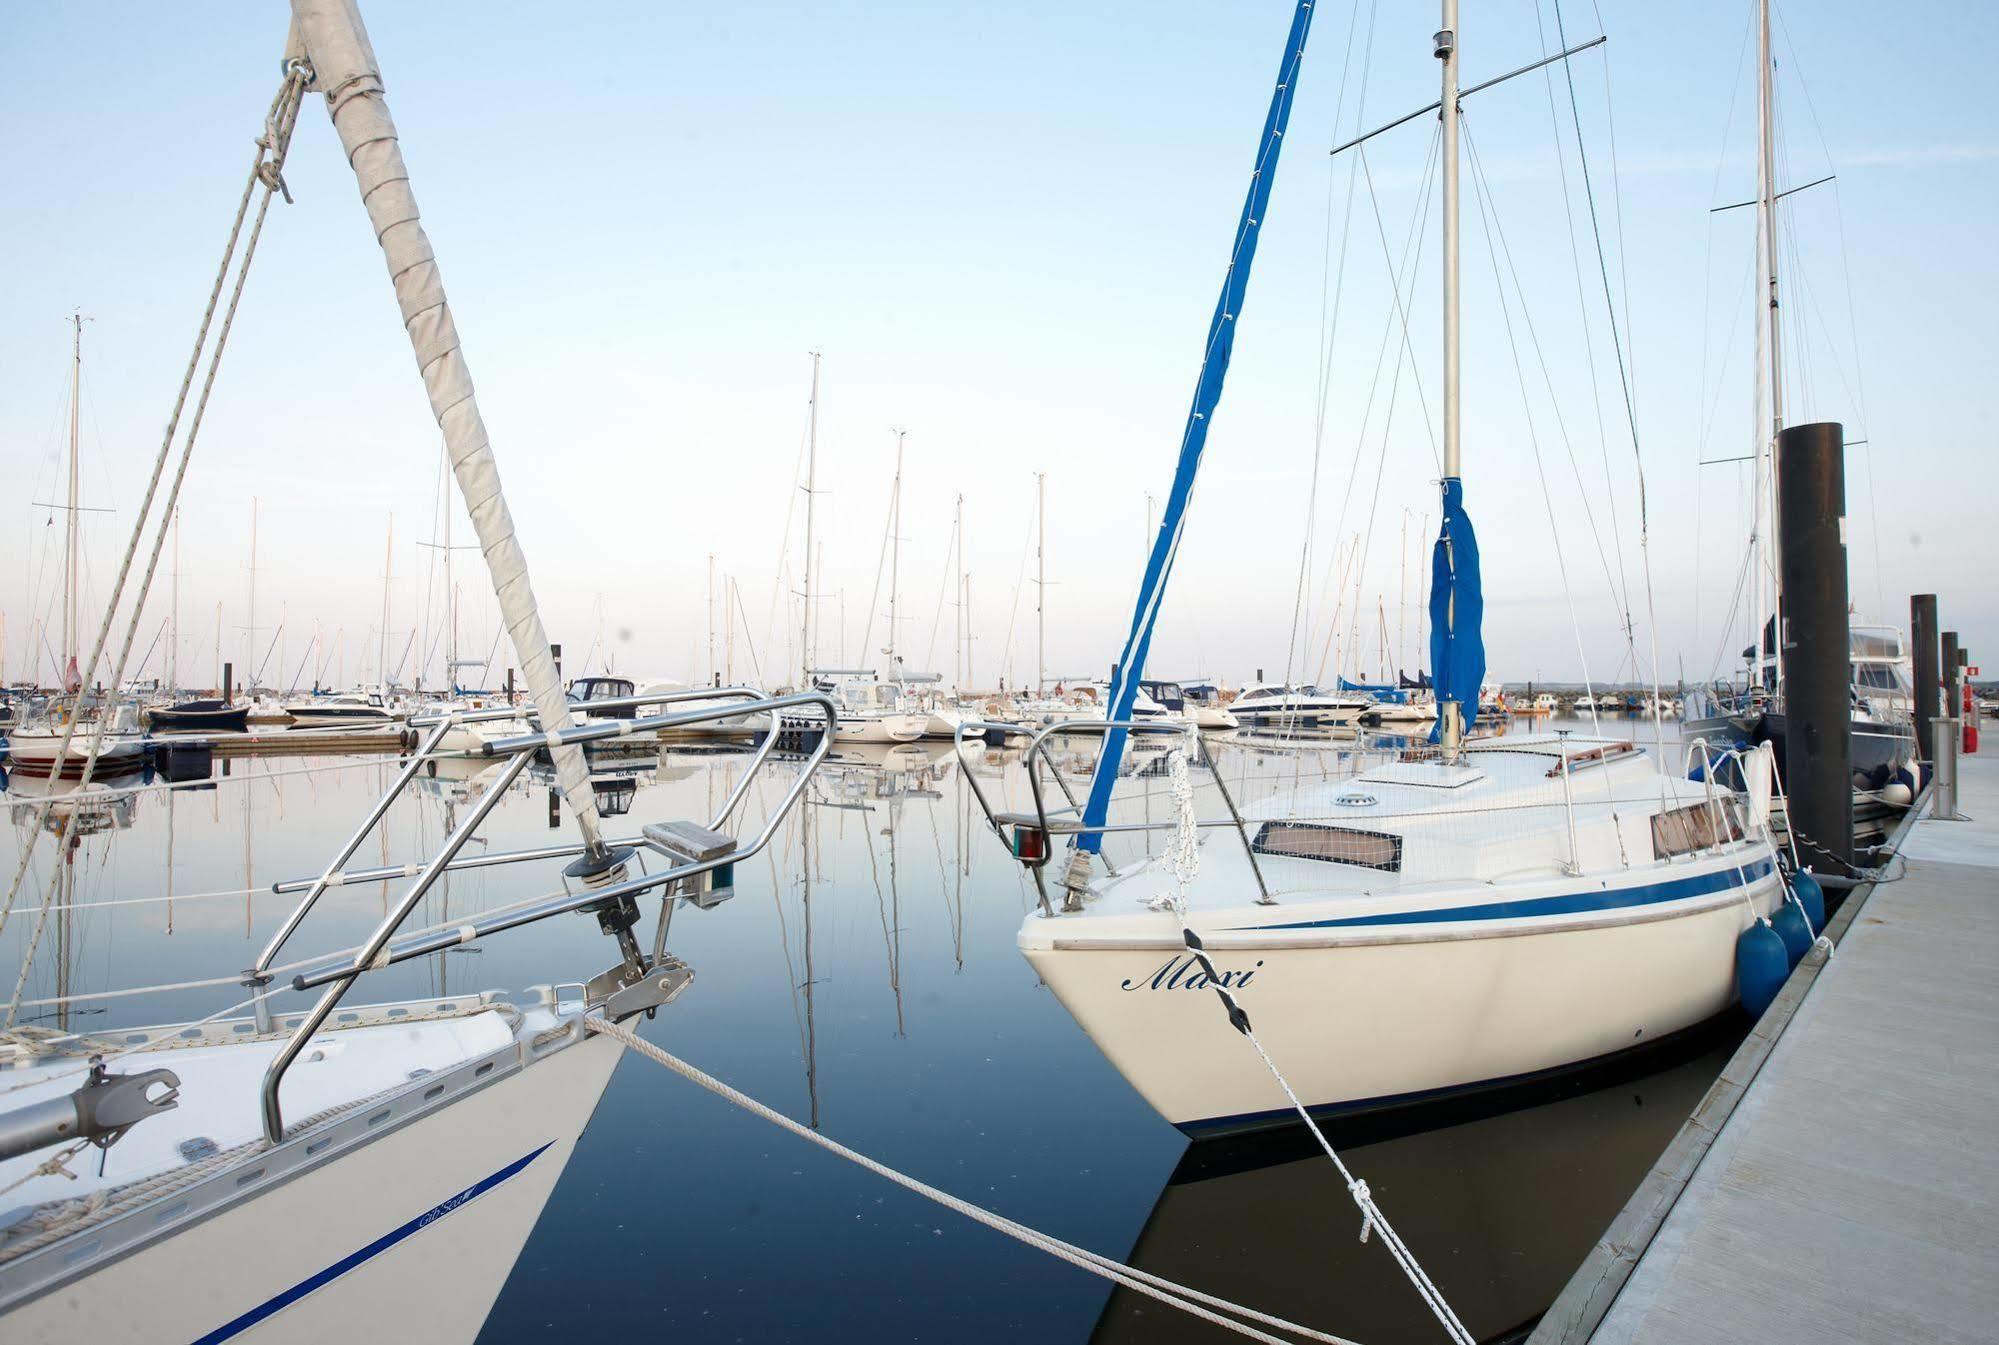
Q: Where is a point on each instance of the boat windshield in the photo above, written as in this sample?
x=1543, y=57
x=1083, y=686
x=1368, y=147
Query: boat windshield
x=1874, y=642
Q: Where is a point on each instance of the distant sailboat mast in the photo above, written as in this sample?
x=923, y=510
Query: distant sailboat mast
x=72, y=677
x=805, y=659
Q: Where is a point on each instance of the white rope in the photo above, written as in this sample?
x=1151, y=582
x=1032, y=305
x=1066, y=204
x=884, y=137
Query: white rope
x=266, y=168
x=1191, y=1301
x=1183, y=861
x=56, y=1165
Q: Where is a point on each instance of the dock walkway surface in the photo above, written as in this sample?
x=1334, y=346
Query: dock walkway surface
x=1853, y=1192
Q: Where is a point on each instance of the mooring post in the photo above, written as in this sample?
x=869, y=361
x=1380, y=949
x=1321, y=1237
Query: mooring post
x=1923, y=635
x=1943, y=781
x=1947, y=675
x=1818, y=714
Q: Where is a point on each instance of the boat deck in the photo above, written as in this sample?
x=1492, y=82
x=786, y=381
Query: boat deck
x=1841, y=1180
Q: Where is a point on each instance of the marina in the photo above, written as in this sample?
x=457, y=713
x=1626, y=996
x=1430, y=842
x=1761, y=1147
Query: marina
x=1501, y=855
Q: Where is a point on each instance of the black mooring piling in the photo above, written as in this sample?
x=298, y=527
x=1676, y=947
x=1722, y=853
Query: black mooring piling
x=1947, y=683
x=1818, y=716
x=1923, y=633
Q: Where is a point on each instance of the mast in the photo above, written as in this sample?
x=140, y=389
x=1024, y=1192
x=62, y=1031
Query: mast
x=1766, y=211
x=250, y=635
x=729, y=629
x=450, y=612
x=1041, y=583
x=388, y=571
x=711, y=618
x=958, y=678
x=173, y=647
x=1451, y=725
x=811, y=488
x=894, y=551
x=71, y=611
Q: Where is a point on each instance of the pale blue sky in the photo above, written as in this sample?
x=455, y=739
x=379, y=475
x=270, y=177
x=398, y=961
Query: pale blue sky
x=1005, y=229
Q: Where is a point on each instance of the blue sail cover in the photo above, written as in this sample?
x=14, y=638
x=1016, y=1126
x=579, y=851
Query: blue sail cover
x=1457, y=611
x=1207, y=395
x=1381, y=691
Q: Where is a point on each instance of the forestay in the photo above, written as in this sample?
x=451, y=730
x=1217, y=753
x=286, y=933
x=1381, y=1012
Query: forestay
x=1194, y=440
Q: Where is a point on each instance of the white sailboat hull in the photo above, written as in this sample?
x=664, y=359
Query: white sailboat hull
x=37, y=751
x=413, y=1230
x=1371, y=1015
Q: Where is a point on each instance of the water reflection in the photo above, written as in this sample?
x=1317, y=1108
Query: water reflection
x=1499, y=1208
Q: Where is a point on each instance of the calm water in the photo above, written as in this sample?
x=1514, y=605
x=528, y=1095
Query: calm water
x=864, y=980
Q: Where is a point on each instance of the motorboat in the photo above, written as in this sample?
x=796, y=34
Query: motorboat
x=205, y=715
x=1881, y=729
x=1209, y=705
x=872, y=709
x=1271, y=705
x=1202, y=706
x=344, y=709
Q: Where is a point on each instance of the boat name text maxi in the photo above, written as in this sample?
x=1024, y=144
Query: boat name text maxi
x=1168, y=977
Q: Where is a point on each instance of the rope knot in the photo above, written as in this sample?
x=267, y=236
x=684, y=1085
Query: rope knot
x=1364, y=1198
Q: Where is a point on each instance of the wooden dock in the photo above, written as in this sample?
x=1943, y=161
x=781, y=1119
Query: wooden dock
x=1840, y=1182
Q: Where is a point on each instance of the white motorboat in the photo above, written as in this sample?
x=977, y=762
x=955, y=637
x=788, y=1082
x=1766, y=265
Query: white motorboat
x=1174, y=700
x=1209, y=706
x=1271, y=705
x=871, y=710
x=1430, y=928
x=347, y=709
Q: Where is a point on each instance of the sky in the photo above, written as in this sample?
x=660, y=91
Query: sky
x=1004, y=228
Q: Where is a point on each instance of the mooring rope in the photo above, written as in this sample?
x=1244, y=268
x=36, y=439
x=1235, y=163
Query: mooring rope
x=1183, y=861
x=1206, y=1306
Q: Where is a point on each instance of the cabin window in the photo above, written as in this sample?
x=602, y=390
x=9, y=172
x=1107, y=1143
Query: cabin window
x=1334, y=845
x=1695, y=827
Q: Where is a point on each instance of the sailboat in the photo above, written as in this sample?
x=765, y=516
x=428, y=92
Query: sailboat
x=1461, y=917
x=74, y=728
x=1882, y=726
x=344, y=1172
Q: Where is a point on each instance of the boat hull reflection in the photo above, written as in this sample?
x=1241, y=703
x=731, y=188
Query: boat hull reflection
x=1499, y=1206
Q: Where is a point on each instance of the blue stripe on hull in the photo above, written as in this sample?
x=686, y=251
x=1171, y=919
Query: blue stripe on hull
x=279, y=1302
x=1575, y=903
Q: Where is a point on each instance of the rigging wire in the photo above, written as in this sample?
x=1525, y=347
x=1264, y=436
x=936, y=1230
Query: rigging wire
x=1329, y=323
x=1482, y=193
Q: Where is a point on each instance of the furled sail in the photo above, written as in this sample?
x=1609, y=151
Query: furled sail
x=335, y=43
x=1207, y=395
x=1457, y=611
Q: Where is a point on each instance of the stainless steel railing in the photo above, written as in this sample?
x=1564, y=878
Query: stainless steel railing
x=1069, y=820
x=517, y=752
